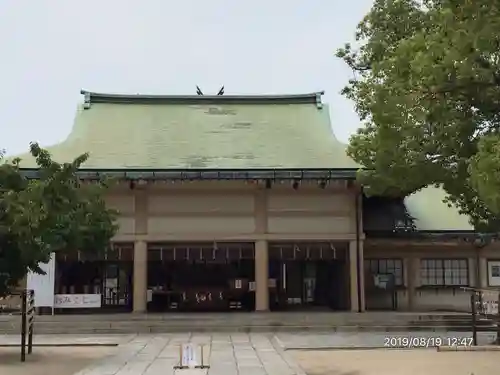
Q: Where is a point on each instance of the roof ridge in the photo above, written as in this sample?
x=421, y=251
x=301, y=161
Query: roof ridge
x=94, y=97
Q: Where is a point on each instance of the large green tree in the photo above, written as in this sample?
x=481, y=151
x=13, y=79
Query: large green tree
x=427, y=87
x=53, y=213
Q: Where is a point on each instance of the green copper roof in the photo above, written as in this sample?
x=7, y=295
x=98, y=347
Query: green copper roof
x=202, y=132
x=432, y=214
x=221, y=132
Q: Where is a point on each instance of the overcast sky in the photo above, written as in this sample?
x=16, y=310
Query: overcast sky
x=50, y=49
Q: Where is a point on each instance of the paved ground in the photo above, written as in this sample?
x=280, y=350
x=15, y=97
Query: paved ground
x=305, y=340
x=241, y=354
x=48, y=361
x=396, y=362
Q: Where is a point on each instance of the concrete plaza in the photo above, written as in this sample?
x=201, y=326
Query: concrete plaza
x=396, y=362
x=239, y=353
x=226, y=353
x=51, y=360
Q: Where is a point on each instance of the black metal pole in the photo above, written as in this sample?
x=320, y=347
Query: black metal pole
x=473, y=316
x=498, y=320
x=23, y=327
x=358, y=251
x=478, y=267
x=31, y=317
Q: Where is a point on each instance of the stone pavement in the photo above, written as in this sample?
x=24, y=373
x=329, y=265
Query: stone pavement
x=227, y=354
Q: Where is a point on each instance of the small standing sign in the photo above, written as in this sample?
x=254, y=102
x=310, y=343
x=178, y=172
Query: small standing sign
x=188, y=357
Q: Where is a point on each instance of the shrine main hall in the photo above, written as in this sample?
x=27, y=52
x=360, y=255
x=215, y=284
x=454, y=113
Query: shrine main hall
x=231, y=202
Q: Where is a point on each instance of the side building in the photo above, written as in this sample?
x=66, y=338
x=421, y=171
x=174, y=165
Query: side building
x=250, y=203
x=432, y=251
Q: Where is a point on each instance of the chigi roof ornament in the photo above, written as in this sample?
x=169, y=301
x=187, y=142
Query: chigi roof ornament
x=86, y=100
x=200, y=93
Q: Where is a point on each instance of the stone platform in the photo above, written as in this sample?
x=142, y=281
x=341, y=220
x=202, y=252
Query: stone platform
x=129, y=323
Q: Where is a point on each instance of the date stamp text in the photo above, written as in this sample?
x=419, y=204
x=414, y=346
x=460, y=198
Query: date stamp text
x=415, y=342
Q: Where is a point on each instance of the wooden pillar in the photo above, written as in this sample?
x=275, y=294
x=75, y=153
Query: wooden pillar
x=261, y=252
x=261, y=276
x=140, y=276
x=473, y=267
x=483, y=267
x=357, y=292
x=412, y=274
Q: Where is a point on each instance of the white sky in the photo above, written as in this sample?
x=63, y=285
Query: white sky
x=50, y=49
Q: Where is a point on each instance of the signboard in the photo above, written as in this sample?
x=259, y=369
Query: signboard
x=188, y=358
x=77, y=301
x=490, y=307
x=487, y=303
x=384, y=281
x=43, y=285
x=494, y=273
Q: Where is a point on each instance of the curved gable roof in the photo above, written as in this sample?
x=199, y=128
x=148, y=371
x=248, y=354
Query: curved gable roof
x=212, y=132
x=432, y=214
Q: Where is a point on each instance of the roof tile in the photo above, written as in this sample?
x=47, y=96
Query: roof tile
x=172, y=134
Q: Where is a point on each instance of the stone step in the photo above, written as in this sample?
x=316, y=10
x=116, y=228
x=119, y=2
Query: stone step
x=252, y=318
x=244, y=322
x=124, y=328
x=462, y=322
x=166, y=329
x=107, y=324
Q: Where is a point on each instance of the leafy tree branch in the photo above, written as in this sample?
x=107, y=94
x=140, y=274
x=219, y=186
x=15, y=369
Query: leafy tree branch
x=55, y=213
x=427, y=89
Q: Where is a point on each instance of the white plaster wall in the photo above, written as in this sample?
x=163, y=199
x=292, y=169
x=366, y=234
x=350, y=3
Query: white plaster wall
x=217, y=203
x=126, y=225
x=442, y=299
x=123, y=203
x=383, y=301
x=310, y=225
x=311, y=212
x=196, y=224
x=341, y=203
x=201, y=212
x=186, y=210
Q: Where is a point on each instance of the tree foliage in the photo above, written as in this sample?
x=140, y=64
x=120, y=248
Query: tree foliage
x=54, y=213
x=427, y=87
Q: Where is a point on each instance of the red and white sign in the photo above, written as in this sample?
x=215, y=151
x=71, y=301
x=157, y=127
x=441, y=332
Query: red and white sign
x=77, y=301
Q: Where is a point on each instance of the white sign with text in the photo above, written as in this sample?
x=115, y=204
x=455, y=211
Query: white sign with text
x=43, y=285
x=189, y=356
x=493, y=273
x=77, y=301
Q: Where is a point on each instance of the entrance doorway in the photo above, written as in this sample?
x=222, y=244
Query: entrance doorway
x=201, y=276
x=109, y=274
x=308, y=276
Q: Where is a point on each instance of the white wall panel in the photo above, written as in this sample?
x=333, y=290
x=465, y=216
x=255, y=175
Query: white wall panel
x=322, y=224
x=202, y=203
x=193, y=224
